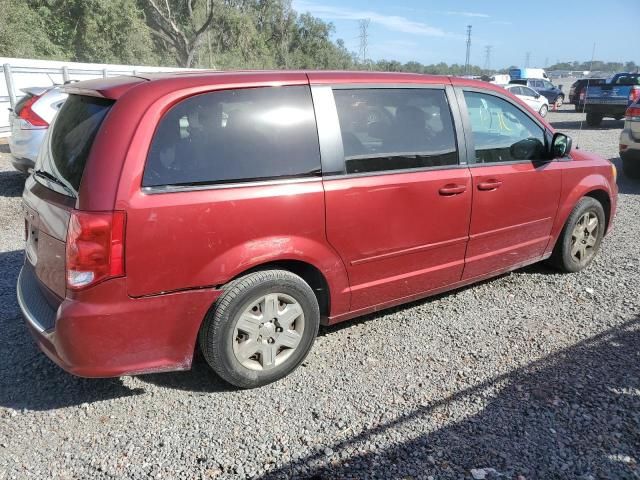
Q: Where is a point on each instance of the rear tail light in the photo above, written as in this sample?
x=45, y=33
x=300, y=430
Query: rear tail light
x=582, y=96
x=95, y=247
x=632, y=114
x=31, y=118
x=634, y=94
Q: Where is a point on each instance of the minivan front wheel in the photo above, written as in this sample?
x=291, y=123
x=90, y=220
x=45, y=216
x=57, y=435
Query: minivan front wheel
x=261, y=328
x=581, y=236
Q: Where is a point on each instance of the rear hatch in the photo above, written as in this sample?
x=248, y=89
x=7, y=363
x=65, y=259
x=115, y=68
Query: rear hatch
x=51, y=192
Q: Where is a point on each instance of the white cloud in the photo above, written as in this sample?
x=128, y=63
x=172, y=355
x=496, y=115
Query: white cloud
x=392, y=22
x=468, y=14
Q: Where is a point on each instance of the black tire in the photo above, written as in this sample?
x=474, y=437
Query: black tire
x=562, y=257
x=631, y=168
x=594, y=120
x=216, y=336
x=543, y=110
x=578, y=107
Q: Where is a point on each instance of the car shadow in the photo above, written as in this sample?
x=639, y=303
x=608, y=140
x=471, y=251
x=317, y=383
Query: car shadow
x=606, y=124
x=572, y=414
x=200, y=379
x=28, y=379
x=11, y=183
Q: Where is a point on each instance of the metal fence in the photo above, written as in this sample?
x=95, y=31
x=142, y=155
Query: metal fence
x=39, y=73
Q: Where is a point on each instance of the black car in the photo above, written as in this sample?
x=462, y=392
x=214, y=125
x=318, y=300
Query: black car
x=544, y=87
x=579, y=86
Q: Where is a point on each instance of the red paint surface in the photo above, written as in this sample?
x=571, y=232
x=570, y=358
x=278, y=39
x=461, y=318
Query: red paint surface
x=378, y=240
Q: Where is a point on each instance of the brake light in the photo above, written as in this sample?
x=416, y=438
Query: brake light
x=582, y=95
x=634, y=94
x=632, y=114
x=95, y=247
x=31, y=118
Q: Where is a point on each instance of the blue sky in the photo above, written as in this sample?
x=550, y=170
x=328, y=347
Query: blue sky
x=434, y=31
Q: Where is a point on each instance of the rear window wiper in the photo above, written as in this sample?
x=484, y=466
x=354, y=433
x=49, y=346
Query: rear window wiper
x=54, y=179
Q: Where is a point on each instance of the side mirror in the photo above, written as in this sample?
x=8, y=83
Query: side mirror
x=527, y=149
x=560, y=145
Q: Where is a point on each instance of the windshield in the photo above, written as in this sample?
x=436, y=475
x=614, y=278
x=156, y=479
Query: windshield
x=626, y=79
x=70, y=140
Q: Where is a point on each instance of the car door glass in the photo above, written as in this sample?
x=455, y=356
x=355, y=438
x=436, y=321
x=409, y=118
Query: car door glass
x=395, y=129
x=235, y=136
x=527, y=92
x=501, y=131
x=516, y=90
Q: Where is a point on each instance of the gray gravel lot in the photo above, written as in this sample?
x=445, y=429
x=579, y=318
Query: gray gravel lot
x=534, y=374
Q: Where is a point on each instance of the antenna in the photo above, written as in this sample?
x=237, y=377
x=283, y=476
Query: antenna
x=364, y=37
x=487, y=57
x=586, y=87
x=466, y=62
x=527, y=58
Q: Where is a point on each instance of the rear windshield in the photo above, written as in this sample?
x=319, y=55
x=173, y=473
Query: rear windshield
x=70, y=141
x=626, y=79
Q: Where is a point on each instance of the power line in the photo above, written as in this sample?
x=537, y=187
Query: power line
x=487, y=57
x=466, y=62
x=364, y=39
x=527, y=59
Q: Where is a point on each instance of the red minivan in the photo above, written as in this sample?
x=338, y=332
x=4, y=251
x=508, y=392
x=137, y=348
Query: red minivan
x=236, y=211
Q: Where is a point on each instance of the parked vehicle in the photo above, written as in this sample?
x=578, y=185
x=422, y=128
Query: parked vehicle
x=544, y=87
x=576, y=92
x=528, y=73
x=500, y=79
x=237, y=211
x=630, y=141
x=29, y=122
x=536, y=101
x=612, y=98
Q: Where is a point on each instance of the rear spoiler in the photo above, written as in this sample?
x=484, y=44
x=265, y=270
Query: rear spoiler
x=35, y=91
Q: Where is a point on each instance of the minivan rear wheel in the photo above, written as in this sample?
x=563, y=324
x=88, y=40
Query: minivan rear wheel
x=581, y=237
x=261, y=328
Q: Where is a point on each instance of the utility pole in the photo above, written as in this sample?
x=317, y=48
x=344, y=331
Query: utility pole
x=364, y=34
x=527, y=58
x=466, y=62
x=487, y=57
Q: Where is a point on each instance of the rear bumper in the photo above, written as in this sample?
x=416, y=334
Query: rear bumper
x=606, y=110
x=108, y=334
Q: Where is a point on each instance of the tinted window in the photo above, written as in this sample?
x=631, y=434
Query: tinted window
x=501, y=131
x=235, y=135
x=526, y=91
x=627, y=79
x=393, y=129
x=70, y=141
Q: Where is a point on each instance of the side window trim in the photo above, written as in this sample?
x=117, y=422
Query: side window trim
x=466, y=122
x=330, y=136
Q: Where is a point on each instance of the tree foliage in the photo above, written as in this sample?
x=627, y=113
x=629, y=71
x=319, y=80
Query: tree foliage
x=224, y=34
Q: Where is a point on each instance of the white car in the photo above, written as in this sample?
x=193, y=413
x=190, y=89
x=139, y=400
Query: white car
x=537, y=102
x=30, y=121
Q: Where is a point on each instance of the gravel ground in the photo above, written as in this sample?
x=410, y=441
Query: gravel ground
x=535, y=375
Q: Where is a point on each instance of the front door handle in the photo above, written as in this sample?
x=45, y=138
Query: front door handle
x=452, y=189
x=489, y=185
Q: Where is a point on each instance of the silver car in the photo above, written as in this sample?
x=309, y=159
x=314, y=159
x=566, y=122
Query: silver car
x=630, y=141
x=29, y=123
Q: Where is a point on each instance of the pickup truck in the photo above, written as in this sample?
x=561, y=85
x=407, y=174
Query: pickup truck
x=612, y=98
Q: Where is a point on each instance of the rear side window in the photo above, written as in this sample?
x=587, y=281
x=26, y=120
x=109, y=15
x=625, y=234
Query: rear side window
x=395, y=129
x=235, y=135
x=70, y=141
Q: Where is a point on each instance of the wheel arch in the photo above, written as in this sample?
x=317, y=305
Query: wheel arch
x=305, y=270
x=597, y=190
